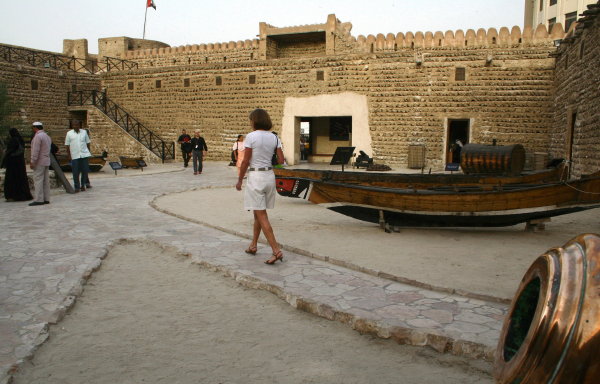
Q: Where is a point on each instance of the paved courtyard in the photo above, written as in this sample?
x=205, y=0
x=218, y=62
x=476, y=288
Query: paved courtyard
x=47, y=253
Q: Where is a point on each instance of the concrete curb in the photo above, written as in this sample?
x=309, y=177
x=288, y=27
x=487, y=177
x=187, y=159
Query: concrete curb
x=332, y=260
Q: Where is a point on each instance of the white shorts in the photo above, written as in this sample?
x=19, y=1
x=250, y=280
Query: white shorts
x=260, y=190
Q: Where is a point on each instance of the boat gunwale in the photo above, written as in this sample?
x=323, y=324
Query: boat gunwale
x=504, y=189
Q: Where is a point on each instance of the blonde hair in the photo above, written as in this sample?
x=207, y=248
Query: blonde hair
x=197, y=131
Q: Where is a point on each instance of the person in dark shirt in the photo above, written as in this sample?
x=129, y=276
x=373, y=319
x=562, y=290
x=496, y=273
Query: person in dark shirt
x=186, y=147
x=199, y=150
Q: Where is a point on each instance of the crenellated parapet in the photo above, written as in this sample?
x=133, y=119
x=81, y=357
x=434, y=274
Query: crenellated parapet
x=210, y=48
x=196, y=54
x=334, y=38
x=489, y=38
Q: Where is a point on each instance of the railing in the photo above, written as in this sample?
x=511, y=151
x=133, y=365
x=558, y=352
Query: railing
x=150, y=140
x=43, y=59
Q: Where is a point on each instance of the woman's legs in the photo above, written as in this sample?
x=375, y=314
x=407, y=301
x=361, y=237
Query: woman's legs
x=261, y=220
x=255, y=233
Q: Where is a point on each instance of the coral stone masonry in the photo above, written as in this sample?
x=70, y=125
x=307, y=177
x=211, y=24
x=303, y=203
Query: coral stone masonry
x=392, y=91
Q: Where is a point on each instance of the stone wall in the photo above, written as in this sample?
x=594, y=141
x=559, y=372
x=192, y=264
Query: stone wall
x=119, y=47
x=48, y=103
x=411, y=92
x=106, y=135
x=409, y=81
x=195, y=54
x=300, y=49
x=577, y=98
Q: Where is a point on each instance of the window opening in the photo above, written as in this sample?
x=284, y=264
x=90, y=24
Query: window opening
x=551, y=23
x=570, y=18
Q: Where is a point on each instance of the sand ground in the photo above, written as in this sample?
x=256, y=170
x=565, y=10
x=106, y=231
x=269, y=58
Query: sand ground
x=480, y=261
x=150, y=316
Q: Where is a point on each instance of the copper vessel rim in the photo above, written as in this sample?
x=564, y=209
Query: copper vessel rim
x=541, y=267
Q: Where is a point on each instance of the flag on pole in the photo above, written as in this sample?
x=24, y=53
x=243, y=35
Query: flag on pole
x=150, y=3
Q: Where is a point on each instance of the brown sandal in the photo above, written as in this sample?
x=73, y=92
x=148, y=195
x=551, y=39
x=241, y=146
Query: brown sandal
x=277, y=256
x=251, y=250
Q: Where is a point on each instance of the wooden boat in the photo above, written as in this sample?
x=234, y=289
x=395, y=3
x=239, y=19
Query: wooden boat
x=415, y=180
x=450, y=206
x=96, y=163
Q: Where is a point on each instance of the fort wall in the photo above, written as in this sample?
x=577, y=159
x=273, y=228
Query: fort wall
x=195, y=54
x=343, y=43
x=42, y=94
x=411, y=90
x=577, y=97
x=103, y=132
x=119, y=46
x=415, y=84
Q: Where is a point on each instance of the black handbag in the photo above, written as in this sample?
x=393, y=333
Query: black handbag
x=274, y=159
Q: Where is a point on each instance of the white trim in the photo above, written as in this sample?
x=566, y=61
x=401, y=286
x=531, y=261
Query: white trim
x=341, y=104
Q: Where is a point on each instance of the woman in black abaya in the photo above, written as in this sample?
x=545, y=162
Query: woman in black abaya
x=16, y=185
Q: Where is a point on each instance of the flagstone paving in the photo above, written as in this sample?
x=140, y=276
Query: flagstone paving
x=47, y=253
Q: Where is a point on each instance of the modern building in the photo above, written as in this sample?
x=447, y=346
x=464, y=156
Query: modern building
x=550, y=12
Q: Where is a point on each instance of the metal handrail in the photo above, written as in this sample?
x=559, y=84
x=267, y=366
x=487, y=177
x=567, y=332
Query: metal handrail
x=56, y=61
x=149, y=139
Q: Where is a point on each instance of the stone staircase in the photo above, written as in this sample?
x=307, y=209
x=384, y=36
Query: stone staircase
x=100, y=108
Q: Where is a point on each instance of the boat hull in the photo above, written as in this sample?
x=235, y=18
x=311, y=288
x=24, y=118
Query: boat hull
x=421, y=181
x=439, y=220
x=459, y=206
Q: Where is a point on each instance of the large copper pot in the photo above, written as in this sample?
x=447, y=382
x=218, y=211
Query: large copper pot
x=551, y=334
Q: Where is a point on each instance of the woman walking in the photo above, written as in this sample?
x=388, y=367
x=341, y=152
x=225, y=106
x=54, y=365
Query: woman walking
x=260, y=145
x=16, y=185
x=238, y=150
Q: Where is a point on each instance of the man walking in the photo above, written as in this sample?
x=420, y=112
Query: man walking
x=199, y=150
x=186, y=147
x=78, y=142
x=40, y=163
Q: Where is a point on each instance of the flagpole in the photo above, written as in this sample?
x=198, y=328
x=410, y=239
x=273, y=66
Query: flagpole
x=145, y=14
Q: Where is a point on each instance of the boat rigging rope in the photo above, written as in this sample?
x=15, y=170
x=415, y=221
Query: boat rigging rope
x=579, y=190
x=568, y=164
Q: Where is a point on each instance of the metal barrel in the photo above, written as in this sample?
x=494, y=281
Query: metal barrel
x=492, y=159
x=552, y=331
